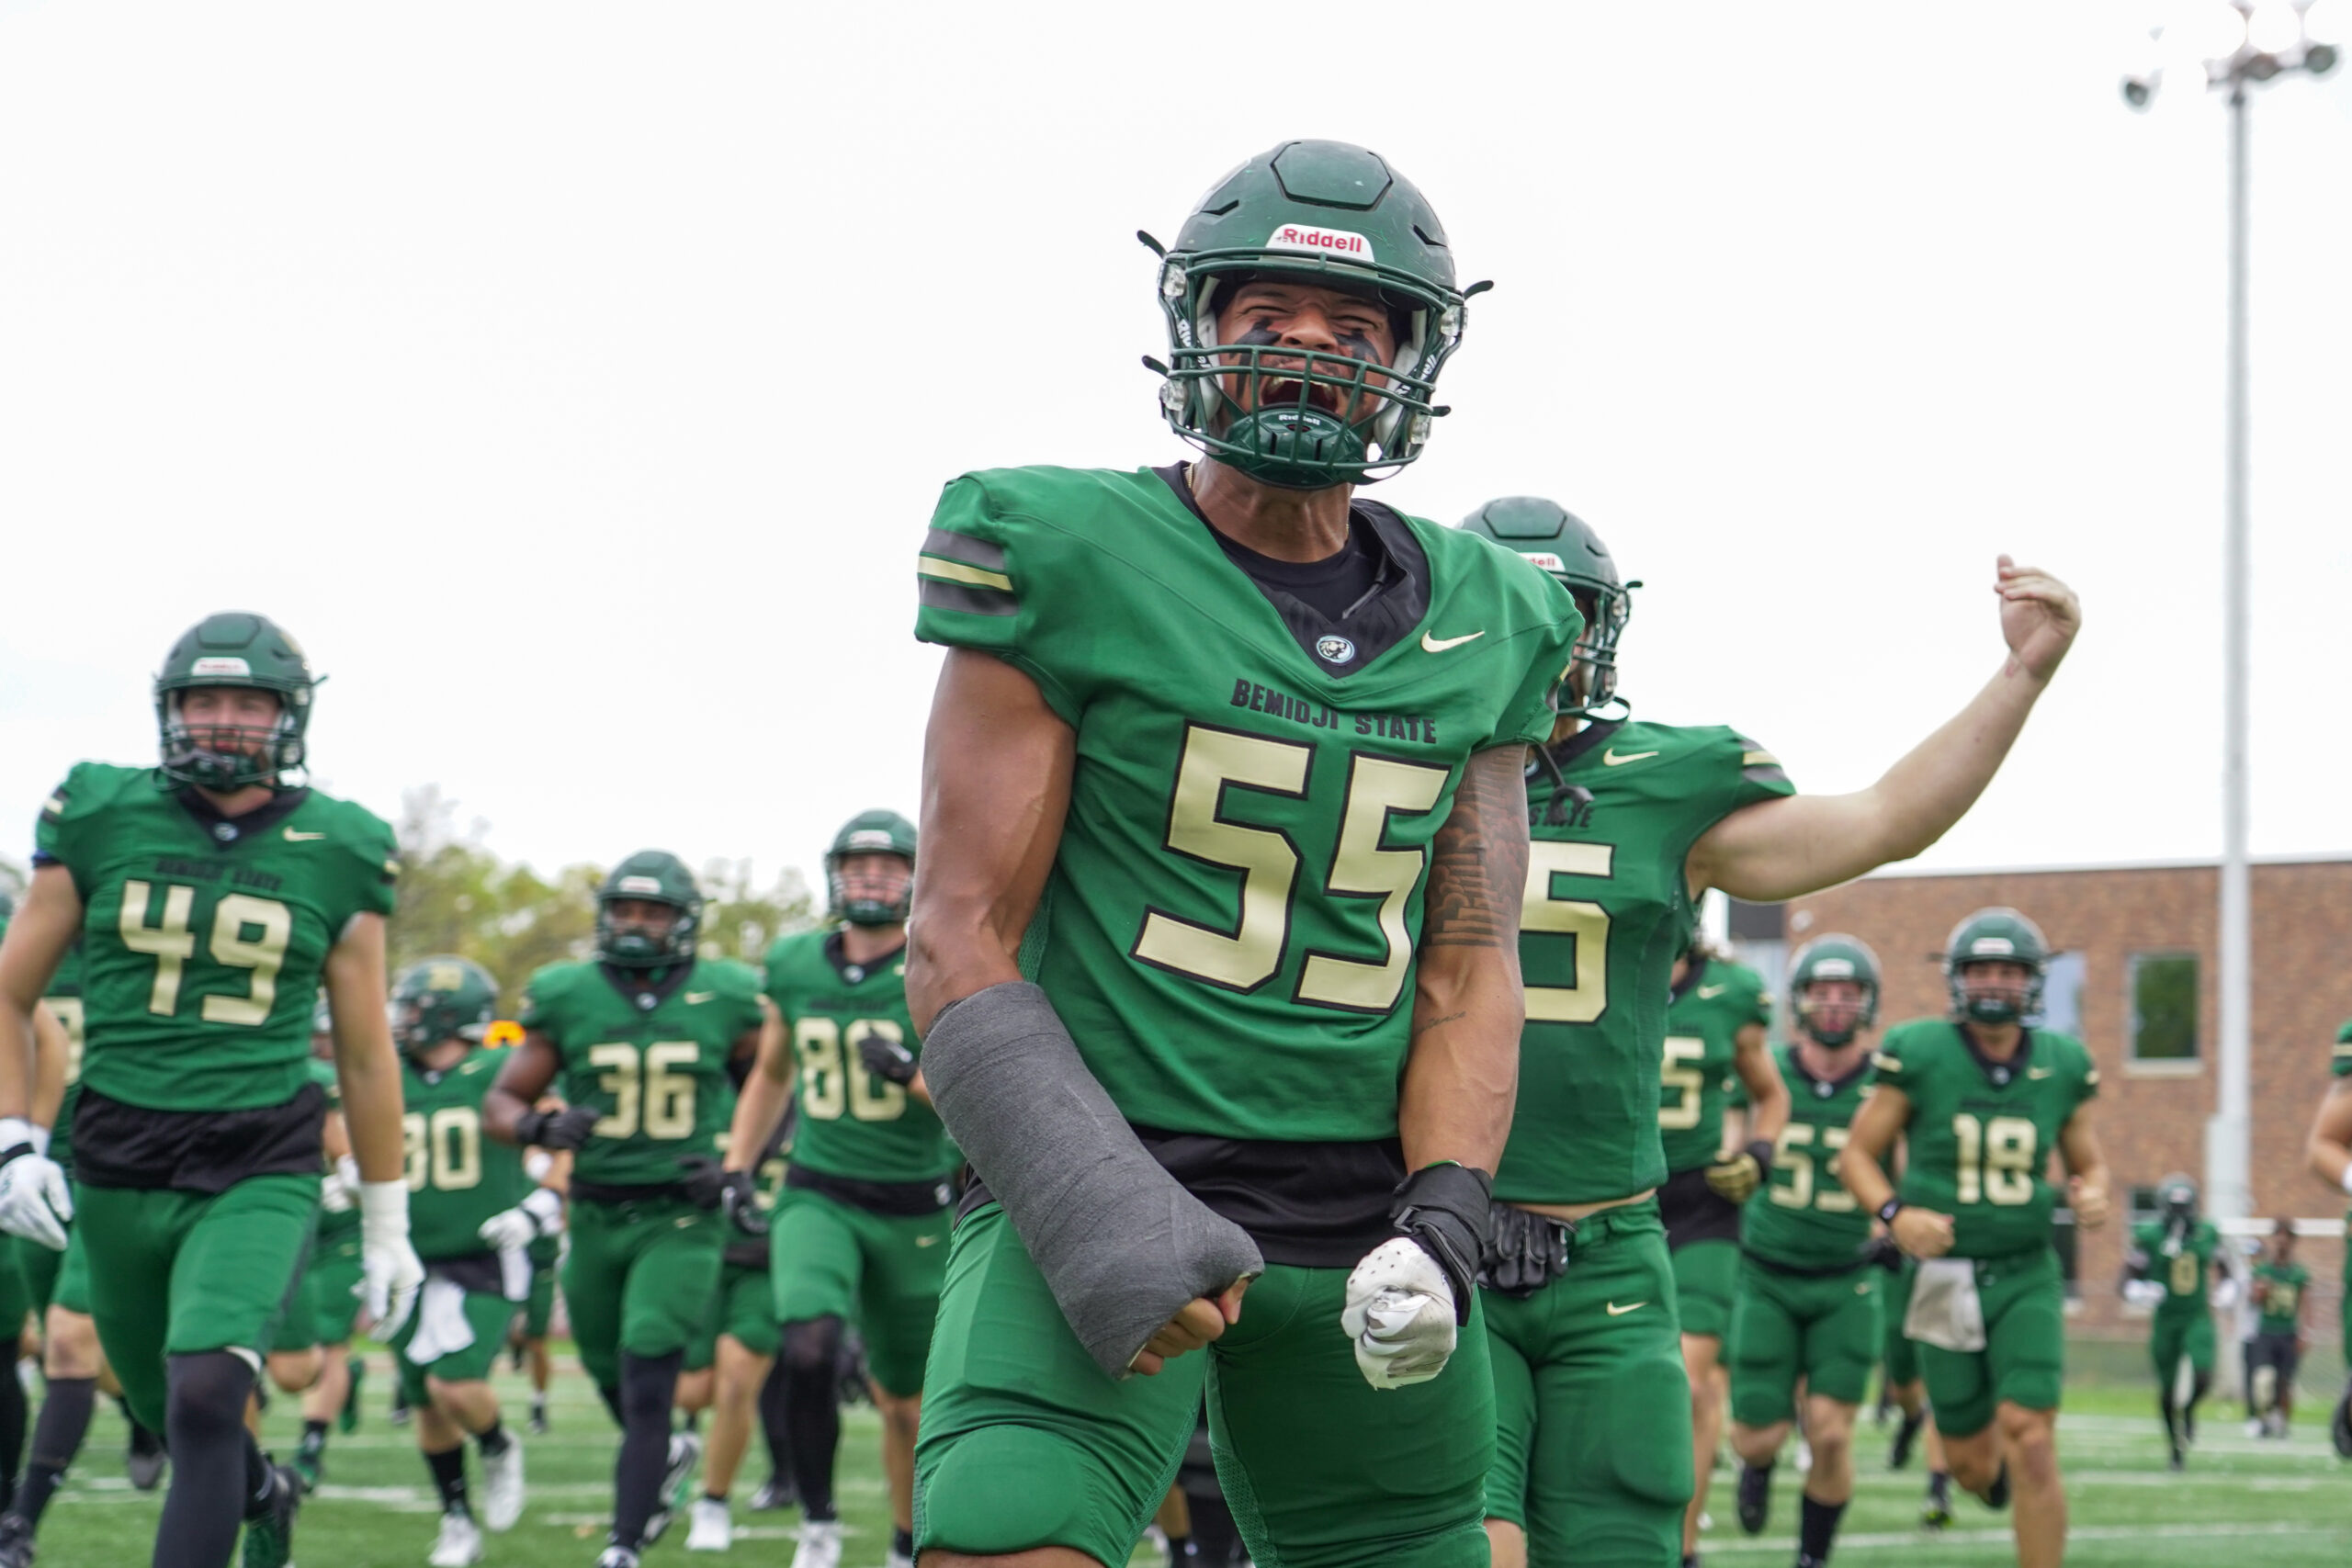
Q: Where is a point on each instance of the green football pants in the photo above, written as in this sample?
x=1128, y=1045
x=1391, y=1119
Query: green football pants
x=40, y=1266
x=1901, y=1355
x=1704, y=1276
x=1593, y=1450
x=487, y=1314
x=882, y=1271
x=180, y=1273
x=743, y=1310
x=16, y=1295
x=73, y=1289
x=323, y=1308
x=1026, y=1443
x=1823, y=1330
x=2175, y=1335
x=2024, y=1359
x=640, y=1278
x=539, y=1307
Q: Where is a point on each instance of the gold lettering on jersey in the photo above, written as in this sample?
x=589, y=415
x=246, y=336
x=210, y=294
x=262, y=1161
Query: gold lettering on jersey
x=1418, y=728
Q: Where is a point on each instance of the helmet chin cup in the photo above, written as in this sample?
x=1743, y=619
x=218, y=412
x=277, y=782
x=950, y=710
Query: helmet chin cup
x=1992, y=1009
x=1291, y=448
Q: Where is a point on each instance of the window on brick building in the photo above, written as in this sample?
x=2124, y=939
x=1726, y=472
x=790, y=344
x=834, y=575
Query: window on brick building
x=2061, y=995
x=2164, y=1006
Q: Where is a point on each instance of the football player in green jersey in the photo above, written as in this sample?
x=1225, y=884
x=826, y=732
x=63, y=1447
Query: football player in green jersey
x=1714, y=1044
x=309, y=1352
x=1808, y=1308
x=728, y=1363
x=637, y=1041
x=2167, y=1267
x=1983, y=1098
x=474, y=1211
x=2277, y=1347
x=1633, y=821
x=860, y=1229
x=1226, y=759
x=212, y=895
x=2329, y=1151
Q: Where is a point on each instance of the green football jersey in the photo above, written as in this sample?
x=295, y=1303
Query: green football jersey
x=1981, y=1133
x=1805, y=1217
x=333, y=1224
x=2182, y=1265
x=203, y=939
x=1608, y=910
x=653, y=1058
x=456, y=1178
x=64, y=999
x=1230, y=927
x=1697, y=1074
x=852, y=1123
x=2282, y=1287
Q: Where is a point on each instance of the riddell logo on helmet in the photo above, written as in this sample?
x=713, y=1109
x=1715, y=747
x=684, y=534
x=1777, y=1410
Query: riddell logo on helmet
x=221, y=666
x=869, y=839
x=1545, y=559
x=1337, y=242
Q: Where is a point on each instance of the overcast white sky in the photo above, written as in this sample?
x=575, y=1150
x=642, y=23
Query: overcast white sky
x=575, y=380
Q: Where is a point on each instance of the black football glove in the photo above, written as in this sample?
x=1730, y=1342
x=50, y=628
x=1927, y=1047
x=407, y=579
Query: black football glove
x=704, y=1182
x=1525, y=1252
x=1444, y=1209
x=1882, y=1252
x=886, y=1057
x=1738, y=1177
x=565, y=1129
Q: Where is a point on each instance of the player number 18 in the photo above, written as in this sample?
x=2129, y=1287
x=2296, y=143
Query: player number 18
x=1995, y=1159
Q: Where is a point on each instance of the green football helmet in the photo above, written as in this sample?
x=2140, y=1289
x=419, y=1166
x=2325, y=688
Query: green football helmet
x=1326, y=213
x=1565, y=545
x=2340, y=1064
x=659, y=877
x=870, y=833
x=234, y=649
x=442, y=997
x=1833, y=956
x=1998, y=934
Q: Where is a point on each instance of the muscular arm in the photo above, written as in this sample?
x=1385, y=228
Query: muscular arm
x=1862, y=1166
x=1767, y=1095
x=529, y=1068
x=2087, y=1163
x=1461, y=1075
x=766, y=1090
x=36, y=943
x=364, y=1064
x=996, y=777
x=51, y=1046
x=2329, y=1147
x=1801, y=844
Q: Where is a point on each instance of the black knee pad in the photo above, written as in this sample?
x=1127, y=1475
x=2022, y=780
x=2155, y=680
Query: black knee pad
x=649, y=1384
x=812, y=1348
x=205, y=1392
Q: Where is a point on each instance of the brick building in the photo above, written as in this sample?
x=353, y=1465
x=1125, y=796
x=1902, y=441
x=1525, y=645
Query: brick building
x=2135, y=978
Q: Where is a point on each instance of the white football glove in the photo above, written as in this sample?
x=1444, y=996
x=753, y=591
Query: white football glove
x=35, y=1202
x=1399, y=1313
x=537, y=1215
x=2142, y=1293
x=2225, y=1293
x=391, y=1274
x=339, y=1188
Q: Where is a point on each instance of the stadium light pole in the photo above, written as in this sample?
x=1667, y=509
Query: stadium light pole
x=2235, y=45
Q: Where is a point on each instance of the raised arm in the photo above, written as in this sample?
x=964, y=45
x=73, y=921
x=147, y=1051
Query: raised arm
x=996, y=777
x=1462, y=1074
x=1780, y=849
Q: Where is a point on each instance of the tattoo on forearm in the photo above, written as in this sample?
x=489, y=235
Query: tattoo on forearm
x=1478, y=867
x=1425, y=1026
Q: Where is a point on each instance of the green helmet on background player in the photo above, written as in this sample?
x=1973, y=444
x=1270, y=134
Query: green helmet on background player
x=656, y=877
x=1565, y=545
x=1334, y=215
x=1833, y=956
x=870, y=833
x=234, y=649
x=2340, y=1064
x=2177, y=1195
x=1998, y=935
x=442, y=998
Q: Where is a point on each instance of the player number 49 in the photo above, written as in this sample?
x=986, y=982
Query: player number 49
x=171, y=943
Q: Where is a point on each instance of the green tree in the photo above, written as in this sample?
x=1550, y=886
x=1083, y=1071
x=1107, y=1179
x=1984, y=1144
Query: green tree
x=739, y=920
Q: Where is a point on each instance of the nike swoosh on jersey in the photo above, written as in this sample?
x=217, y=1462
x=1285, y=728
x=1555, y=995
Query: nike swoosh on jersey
x=1610, y=759
x=1708, y=993
x=926, y=1241
x=1616, y=1311
x=1440, y=644
x=693, y=998
x=2039, y=1072
x=295, y=836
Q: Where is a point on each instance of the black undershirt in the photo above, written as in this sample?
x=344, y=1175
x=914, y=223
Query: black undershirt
x=1332, y=586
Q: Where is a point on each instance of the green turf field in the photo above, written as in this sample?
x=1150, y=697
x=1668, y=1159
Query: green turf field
x=2283, y=1504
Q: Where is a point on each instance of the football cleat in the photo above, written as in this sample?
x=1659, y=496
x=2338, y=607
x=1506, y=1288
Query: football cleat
x=348, y=1419
x=1755, y=1497
x=269, y=1533
x=685, y=1450
x=820, y=1544
x=708, y=1526
x=1898, y=1454
x=458, y=1545
x=540, y=1415
x=1935, y=1514
x=777, y=1492
x=310, y=1467
x=616, y=1556
x=501, y=1488
x=16, y=1540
